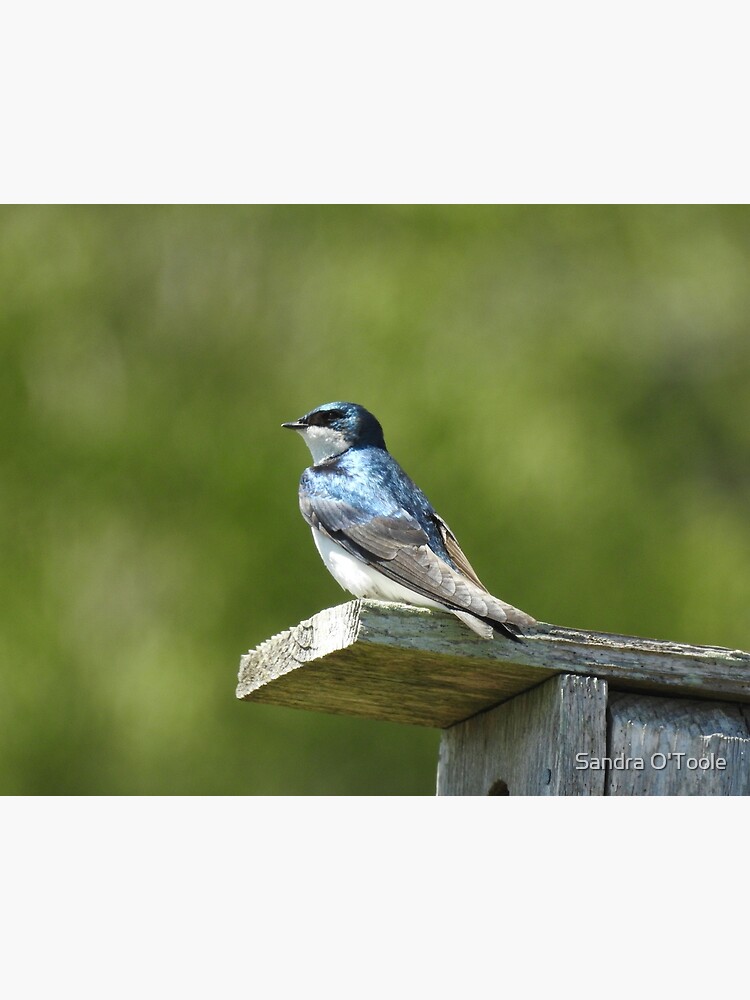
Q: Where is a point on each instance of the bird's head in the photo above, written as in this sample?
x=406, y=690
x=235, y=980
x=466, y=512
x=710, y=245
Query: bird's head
x=333, y=428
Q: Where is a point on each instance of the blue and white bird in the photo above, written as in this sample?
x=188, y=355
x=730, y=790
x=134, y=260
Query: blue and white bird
x=377, y=532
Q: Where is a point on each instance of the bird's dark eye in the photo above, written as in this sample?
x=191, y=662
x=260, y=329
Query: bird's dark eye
x=323, y=418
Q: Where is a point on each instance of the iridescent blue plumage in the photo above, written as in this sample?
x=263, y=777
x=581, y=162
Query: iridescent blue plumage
x=372, y=484
x=378, y=533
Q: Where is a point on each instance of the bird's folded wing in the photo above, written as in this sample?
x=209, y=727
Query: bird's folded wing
x=399, y=549
x=454, y=550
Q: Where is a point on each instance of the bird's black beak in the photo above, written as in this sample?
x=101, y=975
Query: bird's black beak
x=294, y=425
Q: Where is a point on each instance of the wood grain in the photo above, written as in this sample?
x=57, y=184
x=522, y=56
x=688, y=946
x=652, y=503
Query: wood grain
x=667, y=734
x=411, y=665
x=528, y=746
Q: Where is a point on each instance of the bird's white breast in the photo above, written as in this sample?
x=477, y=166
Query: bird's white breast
x=362, y=580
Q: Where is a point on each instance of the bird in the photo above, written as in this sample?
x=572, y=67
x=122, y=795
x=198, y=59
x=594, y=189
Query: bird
x=376, y=531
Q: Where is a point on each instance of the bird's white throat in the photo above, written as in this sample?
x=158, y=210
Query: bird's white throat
x=323, y=442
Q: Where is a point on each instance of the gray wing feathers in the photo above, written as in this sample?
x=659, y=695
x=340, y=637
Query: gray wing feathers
x=454, y=551
x=420, y=568
x=399, y=549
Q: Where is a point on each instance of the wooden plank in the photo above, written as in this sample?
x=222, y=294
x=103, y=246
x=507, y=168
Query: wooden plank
x=528, y=746
x=685, y=747
x=382, y=661
x=411, y=665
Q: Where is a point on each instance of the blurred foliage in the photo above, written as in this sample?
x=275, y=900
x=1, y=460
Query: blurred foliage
x=569, y=385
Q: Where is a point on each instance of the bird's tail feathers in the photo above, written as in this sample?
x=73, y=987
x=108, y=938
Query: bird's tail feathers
x=486, y=627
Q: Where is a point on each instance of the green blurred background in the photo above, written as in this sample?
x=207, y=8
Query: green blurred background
x=569, y=385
